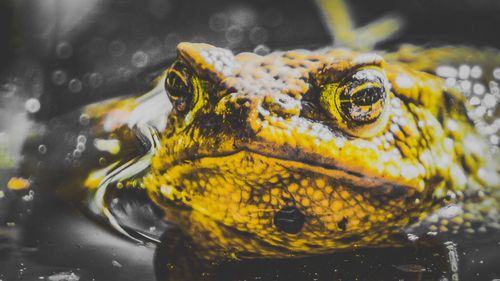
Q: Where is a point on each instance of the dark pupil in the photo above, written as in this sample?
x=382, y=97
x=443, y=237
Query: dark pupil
x=364, y=105
x=367, y=96
x=175, y=85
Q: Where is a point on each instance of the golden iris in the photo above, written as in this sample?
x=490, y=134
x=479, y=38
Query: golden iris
x=358, y=103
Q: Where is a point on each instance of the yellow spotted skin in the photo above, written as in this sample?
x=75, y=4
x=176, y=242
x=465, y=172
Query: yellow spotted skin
x=255, y=187
x=251, y=136
x=306, y=152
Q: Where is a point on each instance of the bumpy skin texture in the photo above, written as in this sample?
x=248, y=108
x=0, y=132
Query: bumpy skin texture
x=278, y=155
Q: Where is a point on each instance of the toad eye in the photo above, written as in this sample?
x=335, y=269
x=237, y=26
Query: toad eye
x=178, y=86
x=363, y=104
x=358, y=102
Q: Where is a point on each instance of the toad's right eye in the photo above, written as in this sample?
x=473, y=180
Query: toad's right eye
x=358, y=103
x=178, y=85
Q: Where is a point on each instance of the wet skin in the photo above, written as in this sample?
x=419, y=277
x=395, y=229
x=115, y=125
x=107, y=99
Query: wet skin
x=306, y=152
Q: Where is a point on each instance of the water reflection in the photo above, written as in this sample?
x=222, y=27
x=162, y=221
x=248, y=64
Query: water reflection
x=423, y=262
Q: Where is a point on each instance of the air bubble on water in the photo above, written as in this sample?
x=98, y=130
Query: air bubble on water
x=59, y=77
x=234, y=34
x=463, y=71
x=95, y=79
x=32, y=105
x=84, y=119
x=77, y=153
x=170, y=266
x=140, y=59
x=64, y=50
x=476, y=72
x=81, y=139
x=478, y=89
x=258, y=35
x=124, y=72
x=446, y=71
x=80, y=147
x=67, y=159
x=22, y=269
x=116, y=48
x=262, y=50
x=496, y=73
x=10, y=87
x=218, y=22
x=42, y=149
x=75, y=85
x=102, y=161
x=29, y=197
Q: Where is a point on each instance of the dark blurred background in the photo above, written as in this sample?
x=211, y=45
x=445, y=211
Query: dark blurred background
x=74, y=52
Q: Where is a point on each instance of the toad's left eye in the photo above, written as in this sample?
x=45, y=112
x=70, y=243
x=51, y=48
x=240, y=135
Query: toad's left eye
x=358, y=103
x=178, y=86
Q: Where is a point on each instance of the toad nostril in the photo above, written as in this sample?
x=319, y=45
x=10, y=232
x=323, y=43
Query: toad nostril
x=289, y=219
